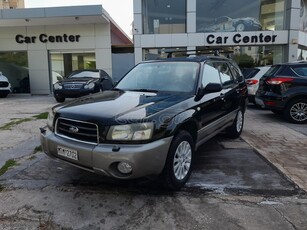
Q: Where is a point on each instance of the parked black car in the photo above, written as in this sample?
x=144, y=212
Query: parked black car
x=82, y=82
x=152, y=122
x=283, y=89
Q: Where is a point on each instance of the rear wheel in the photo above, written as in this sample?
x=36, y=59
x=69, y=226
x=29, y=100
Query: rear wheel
x=2, y=95
x=178, y=166
x=296, y=111
x=240, y=27
x=235, y=130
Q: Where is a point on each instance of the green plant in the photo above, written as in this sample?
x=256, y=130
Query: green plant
x=9, y=125
x=37, y=149
x=42, y=115
x=9, y=163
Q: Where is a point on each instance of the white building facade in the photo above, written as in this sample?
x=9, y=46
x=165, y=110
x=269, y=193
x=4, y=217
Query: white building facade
x=39, y=44
x=253, y=32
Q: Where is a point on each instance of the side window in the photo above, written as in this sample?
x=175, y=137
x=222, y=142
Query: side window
x=225, y=73
x=235, y=72
x=210, y=74
x=301, y=71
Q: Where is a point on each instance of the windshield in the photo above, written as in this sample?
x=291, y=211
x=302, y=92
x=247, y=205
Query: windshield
x=86, y=74
x=161, y=76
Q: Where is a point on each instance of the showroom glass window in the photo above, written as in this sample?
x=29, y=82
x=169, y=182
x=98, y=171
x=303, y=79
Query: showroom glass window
x=248, y=56
x=63, y=63
x=158, y=53
x=239, y=15
x=14, y=66
x=164, y=16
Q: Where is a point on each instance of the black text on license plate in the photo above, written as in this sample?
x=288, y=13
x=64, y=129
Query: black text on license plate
x=69, y=153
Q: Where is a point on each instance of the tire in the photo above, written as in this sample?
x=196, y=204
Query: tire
x=59, y=99
x=3, y=95
x=296, y=111
x=240, y=27
x=235, y=130
x=178, y=166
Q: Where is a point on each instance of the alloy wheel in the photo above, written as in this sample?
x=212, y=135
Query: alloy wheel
x=239, y=123
x=298, y=112
x=182, y=160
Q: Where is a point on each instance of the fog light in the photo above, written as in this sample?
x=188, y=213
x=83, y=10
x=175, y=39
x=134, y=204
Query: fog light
x=124, y=167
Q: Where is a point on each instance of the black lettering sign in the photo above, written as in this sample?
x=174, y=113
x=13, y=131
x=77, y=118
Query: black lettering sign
x=44, y=38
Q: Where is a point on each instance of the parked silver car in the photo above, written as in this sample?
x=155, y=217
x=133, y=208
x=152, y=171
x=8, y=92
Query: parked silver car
x=252, y=76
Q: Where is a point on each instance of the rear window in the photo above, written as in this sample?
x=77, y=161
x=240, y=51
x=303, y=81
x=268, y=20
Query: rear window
x=273, y=71
x=250, y=73
x=302, y=71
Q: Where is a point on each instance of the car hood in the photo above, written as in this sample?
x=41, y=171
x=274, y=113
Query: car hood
x=79, y=80
x=116, y=106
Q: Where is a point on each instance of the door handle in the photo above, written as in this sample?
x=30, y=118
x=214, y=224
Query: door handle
x=222, y=96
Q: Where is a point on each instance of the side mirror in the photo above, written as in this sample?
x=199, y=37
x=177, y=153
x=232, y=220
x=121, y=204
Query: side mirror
x=210, y=88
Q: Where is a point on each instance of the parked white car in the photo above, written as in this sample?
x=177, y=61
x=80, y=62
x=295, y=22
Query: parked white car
x=252, y=77
x=5, y=86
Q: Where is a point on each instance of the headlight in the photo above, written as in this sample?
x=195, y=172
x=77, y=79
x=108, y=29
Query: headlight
x=50, y=119
x=90, y=86
x=135, y=132
x=57, y=86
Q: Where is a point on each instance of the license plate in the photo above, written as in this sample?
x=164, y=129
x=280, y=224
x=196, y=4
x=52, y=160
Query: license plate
x=69, y=153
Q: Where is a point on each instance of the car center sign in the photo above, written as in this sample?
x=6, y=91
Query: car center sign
x=44, y=38
x=246, y=38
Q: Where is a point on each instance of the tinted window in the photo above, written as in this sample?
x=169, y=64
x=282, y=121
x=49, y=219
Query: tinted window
x=81, y=74
x=225, y=73
x=210, y=75
x=272, y=71
x=162, y=76
x=302, y=71
x=250, y=73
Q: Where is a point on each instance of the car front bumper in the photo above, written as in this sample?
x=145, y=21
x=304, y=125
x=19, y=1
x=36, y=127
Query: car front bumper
x=71, y=93
x=146, y=159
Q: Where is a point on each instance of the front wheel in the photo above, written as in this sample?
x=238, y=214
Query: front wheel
x=296, y=111
x=235, y=130
x=178, y=166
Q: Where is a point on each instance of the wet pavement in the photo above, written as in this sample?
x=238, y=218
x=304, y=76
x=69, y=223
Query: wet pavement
x=236, y=184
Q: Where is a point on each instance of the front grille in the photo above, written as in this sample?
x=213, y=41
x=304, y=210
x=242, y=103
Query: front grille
x=73, y=86
x=77, y=130
x=4, y=84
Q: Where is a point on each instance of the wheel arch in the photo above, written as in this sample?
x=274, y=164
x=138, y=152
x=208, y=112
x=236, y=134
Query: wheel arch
x=296, y=97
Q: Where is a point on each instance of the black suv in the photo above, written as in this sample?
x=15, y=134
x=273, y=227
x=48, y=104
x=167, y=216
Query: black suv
x=283, y=89
x=80, y=83
x=152, y=122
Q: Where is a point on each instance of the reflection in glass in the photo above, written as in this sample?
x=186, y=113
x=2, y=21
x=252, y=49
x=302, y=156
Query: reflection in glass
x=158, y=53
x=14, y=65
x=248, y=56
x=164, y=16
x=239, y=15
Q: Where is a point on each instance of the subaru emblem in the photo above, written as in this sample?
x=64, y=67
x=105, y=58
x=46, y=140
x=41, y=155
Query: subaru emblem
x=73, y=129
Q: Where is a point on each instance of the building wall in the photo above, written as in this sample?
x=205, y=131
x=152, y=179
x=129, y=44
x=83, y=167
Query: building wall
x=286, y=37
x=93, y=37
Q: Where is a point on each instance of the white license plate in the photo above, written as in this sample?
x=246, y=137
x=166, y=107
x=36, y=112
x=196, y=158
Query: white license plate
x=69, y=153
